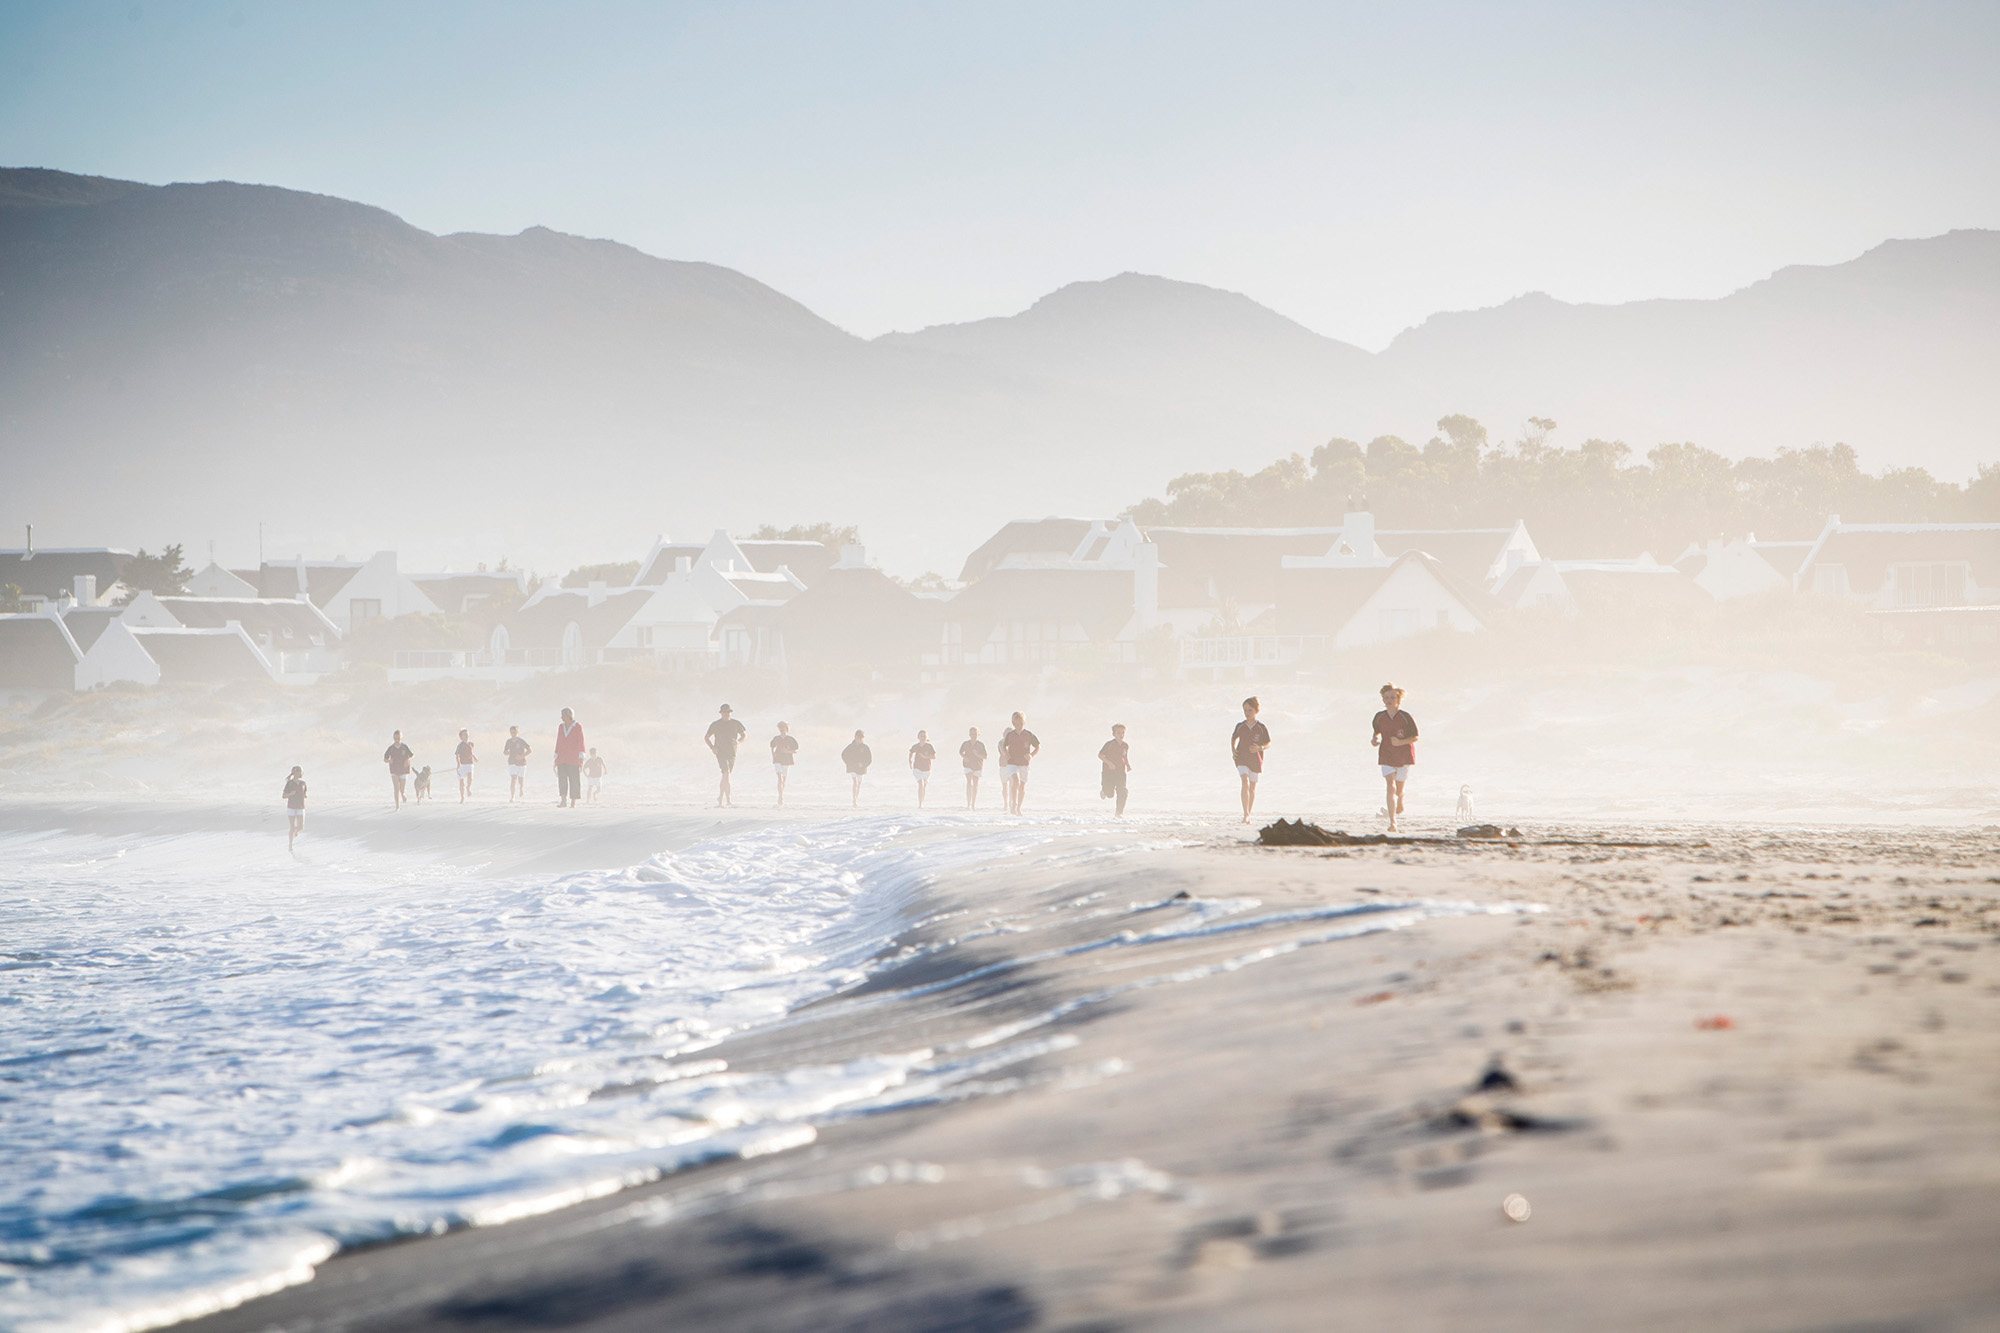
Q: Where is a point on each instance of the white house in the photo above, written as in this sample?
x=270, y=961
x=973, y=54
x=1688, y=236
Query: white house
x=1583, y=587
x=113, y=655
x=1360, y=600
x=1097, y=598
x=1741, y=566
x=215, y=581
x=1904, y=566
x=350, y=592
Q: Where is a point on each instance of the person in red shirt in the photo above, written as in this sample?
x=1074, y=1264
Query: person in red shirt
x=1246, y=746
x=1395, y=739
x=466, y=759
x=1017, y=746
x=569, y=761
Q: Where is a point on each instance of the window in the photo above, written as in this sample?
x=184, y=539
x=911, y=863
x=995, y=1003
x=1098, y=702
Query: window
x=644, y=635
x=364, y=608
x=1930, y=585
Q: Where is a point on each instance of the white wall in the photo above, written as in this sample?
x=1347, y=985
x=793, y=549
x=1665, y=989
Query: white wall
x=1410, y=601
x=116, y=656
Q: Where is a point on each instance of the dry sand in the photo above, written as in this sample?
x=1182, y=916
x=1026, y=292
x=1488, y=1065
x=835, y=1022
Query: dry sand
x=1750, y=1080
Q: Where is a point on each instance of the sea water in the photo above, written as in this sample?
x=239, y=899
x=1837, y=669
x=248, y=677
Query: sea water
x=218, y=1066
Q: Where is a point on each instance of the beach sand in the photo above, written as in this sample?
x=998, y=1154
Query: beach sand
x=1749, y=1079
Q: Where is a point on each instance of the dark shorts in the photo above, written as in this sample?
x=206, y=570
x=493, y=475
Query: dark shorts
x=725, y=759
x=1114, y=782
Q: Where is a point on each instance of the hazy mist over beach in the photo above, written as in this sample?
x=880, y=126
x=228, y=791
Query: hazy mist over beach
x=567, y=574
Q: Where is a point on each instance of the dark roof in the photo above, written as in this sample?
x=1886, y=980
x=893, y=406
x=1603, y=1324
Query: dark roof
x=1207, y=567
x=324, y=579
x=1869, y=551
x=1098, y=599
x=763, y=590
x=1321, y=601
x=806, y=559
x=51, y=573
x=35, y=655
x=1596, y=591
x=1040, y=536
x=201, y=657
x=450, y=591
x=1466, y=552
x=653, y=575
x=1785, y=557
x=858, y=616
x=289, y=622
x=542, y=624
x=86, y=623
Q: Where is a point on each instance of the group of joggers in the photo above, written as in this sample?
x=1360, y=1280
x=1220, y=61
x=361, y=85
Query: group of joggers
x=1394, y=734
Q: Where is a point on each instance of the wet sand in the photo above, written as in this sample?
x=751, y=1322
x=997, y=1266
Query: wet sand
x=1747, y=1081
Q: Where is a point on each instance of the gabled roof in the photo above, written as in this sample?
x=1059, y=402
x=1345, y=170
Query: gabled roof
x=662, y=563
x=201, y=656
x=324, y=579
x=1785, y=557
x=288, y=621
x=1470, y=553
x=1041, y=536
x=1101, y=600
x=808, y=560
x=851, y=614
x=541, y=624
x=1204, y=567
x=1321, y=600
x=53, y=572
x=450, y=590
x=85, y=623
x=36, y=654
x=1869, y=549
x=762, y=587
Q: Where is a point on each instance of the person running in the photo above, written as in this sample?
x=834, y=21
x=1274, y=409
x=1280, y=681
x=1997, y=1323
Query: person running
x=1117, y=758
x=516, y=750
x=784, y=753
x=922, y=754
x=1246, y=746
x=1017, y=746
x=398, y=757
x=1395, y=742
x=295, y=808
x=722, y=737
x=466, y=759
x=972, y=753
x=594, y=769
x=857, y=756
x=569, y=761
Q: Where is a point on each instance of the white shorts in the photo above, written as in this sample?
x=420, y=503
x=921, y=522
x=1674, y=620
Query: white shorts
x=465, y=770
x=1014, y=771
x=975, y=772
x=1401, y=774
x=593, y=783
x=781, y=769
x=295, y=814
x=920, y=774
x=1247, y=772
x=517, y=770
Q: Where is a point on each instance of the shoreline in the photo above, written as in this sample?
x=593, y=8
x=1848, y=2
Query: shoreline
x=1745, y=1103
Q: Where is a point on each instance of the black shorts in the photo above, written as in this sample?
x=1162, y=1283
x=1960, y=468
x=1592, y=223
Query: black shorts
x=726, y=760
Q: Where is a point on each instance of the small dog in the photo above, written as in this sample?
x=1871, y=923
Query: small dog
x=423, y=784
x=1465, y=800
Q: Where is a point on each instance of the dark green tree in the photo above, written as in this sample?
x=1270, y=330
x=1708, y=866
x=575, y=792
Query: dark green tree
x=163, y=575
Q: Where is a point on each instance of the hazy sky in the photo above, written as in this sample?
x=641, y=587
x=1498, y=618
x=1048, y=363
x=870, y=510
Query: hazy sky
x=896, y=165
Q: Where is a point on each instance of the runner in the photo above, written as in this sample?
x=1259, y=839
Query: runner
x=722, y=737
x=594, y=769
x=1246, y=746
x=857, y=756
x=1117, y=757
x=972, y=753
x=295, y=807
x=1395, y=739
x=569, y=761
x=516, y=750
x=466, y=759
x=1017, y=746
x=921, y=755
x=784, y=752
x=398, y=757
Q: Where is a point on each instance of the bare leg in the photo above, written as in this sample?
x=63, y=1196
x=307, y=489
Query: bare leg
x=1389, y=800
x=1249, y=794
x=781, y=786
x=1020, y=794
x=920, y=793
x=1399, y=797
x=1121, y=799
x=857, y=792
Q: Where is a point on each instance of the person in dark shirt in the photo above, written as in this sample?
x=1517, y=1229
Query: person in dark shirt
x=1116, y=756
x=295, y=807
x=1017, y=746
x=1395, y=740
x=594, y=769
x=972, y=753
x=1246, y=746
x=516, y=749
x=857, y=756
x=921, y=756
x=722, y=737
x=784, y=753
x=466, y=759
x=398, y=757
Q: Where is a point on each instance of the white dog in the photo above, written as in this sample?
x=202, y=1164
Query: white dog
x=1465, y=800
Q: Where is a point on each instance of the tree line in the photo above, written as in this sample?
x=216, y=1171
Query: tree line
x=1593, y=500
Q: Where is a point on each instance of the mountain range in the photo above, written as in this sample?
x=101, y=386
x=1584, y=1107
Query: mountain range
x=188, y=362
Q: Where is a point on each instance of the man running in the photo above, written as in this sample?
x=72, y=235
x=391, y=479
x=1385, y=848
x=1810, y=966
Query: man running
x=569, y=762
x=1017, y=746
x=594, y=769
x=784, y=753
x=398, y=757
x=722, y=737
x=921, y=756
x=466, y=759
x=857, y=756
x=1117, y=758
x=1246, y=746
x=1395, y=739
x=972, y=753
x=516, y=750
x=295, y=807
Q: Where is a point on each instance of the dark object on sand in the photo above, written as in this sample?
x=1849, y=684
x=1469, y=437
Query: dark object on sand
x=1496, y=1079
x=1491, y=831
x=1298, y=833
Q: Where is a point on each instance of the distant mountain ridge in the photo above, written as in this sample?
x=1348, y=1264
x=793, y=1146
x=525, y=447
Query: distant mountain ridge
x=181, y=362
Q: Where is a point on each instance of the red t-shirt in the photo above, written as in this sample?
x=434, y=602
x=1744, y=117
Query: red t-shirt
x=569, y=744
x=1247, y=743
x=1388, y=724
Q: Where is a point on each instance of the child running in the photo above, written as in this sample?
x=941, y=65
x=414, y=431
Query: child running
x=295, y=807
x=466, y=759
x=921, y=755
x=1117, y=758
x=594, y=769
x=1395, y=739
x=1246, y=746
x=516, y=751
x=398, y=757
x=972, y=753
x=857, y=756
x=1017, y=746
x=784, y=753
